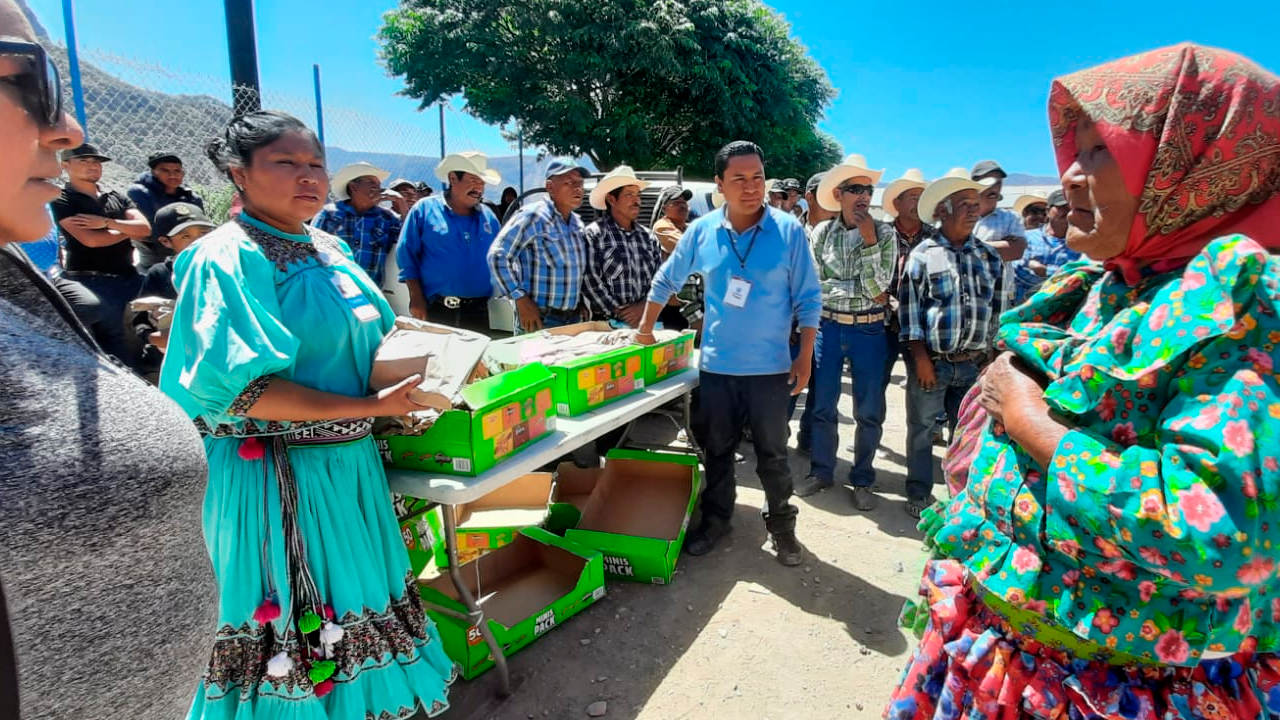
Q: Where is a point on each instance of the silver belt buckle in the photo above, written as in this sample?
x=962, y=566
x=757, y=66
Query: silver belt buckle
x=453, y=303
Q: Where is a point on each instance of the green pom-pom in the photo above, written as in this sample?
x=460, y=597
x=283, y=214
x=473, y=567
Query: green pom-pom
x=322, y=670
x=309, y=623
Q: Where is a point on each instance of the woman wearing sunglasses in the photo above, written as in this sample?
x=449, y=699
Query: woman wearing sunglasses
x=108, y=588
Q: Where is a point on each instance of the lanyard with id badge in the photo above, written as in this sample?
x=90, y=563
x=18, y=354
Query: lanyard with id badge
x=359, y=304
x=740, y=287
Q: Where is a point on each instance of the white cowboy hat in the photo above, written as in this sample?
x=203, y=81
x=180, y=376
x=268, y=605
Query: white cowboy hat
x=476, y=163
x=946, y=186
x=1022, y=203
x=338, y=184
x=619, y=177
x=851, y=167
x=717, y=200
x=910, y=179
x=401, y=181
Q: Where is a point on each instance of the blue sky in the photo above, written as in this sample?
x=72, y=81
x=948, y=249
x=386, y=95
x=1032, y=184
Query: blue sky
x=925, y=84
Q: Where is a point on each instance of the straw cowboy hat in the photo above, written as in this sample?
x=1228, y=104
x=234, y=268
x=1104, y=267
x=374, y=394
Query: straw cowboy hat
x=470, y=161
x=946, y=186
x=851, y=167
x=1022, y=203
x=619, y=177
x=910, y=180
x=344, y=177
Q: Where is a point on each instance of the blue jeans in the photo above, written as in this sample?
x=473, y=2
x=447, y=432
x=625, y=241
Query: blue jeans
x=806, y=418
x=923, y=407
x=865, y=347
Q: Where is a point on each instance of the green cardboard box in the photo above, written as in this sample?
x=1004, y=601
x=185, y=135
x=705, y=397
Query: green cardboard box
x=504, y=414
x=638, y=513
x=415, y=530
x=525, y=589
x=569, y=495
x=587, y=383
x=663, y=359
x=492, y=521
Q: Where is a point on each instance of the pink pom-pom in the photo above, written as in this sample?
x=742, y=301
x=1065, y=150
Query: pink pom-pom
x=267, y=612
x=251, y=449
x=329, y=614
x=324, y=688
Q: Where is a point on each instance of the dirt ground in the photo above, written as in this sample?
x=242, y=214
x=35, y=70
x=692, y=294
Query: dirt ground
x=736, y=635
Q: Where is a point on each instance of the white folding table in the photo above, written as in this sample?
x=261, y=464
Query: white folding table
x=570, y=434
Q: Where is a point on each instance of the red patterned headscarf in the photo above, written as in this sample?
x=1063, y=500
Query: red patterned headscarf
x=1196, y=132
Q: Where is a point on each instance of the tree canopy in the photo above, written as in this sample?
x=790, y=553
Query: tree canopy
x=652, y=83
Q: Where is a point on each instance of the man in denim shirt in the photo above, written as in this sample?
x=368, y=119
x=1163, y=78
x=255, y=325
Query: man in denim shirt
x=368, y=229
x=759, y=275
x=1047, y=250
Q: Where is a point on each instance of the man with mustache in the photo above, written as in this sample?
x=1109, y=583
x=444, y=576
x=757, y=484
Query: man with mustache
x=538, y=259
x=622, y=254
x=951, y=297
x=444, y=246
x=355, y=217
x=855, y=257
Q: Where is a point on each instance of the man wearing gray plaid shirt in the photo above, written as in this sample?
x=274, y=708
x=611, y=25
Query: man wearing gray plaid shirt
x=856, y=258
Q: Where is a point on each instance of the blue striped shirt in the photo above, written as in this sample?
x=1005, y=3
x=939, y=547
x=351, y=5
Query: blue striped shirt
x=540, y=254
x=370, y=235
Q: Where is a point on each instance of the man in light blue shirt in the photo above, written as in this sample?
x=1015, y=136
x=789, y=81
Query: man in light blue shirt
x=759, y=275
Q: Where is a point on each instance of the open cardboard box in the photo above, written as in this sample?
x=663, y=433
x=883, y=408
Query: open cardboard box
x=525, y=589
x=586, y=383
x=638, y=513
x=492, y=521
x=446, y=358
x=572, y=490
x=503, y=415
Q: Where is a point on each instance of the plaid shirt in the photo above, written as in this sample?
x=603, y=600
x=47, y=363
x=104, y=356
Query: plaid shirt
x=1050, y=251
x=370, y=234
x=905, y=245
x=951, y=299
x=851, y=273
x=540, y=254
x=997, y=226
x=620, y=264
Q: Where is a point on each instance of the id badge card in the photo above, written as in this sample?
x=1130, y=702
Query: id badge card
x=359, y=304
x=739, y=290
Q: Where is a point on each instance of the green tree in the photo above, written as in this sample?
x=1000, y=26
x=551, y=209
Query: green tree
x=653, y=83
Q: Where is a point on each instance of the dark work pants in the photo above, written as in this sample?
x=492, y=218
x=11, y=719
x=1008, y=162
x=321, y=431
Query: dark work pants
x=473, y=316
x=727, y=403
x=114, y=293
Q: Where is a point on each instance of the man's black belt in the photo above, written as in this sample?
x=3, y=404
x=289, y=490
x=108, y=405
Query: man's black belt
x=959, y=357
x=451, y=302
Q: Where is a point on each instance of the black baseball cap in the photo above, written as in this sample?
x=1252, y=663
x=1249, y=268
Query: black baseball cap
x=156, y=158
x=988, y=167
x=176, y=217
x=86, y=150
x=791, y=184
x=671, y=192
x=814, y=182
x=1057, y=198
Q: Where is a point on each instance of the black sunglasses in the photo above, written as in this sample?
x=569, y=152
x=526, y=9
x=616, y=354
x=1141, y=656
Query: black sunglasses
x=39, y=86
x=857, y=189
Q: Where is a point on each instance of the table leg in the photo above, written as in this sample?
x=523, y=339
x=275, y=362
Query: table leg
x=475, y=614
x=687, y=405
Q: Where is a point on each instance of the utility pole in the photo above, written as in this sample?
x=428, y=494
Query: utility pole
x=242, y=49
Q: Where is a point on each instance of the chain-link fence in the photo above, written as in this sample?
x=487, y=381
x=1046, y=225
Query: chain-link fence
x=135, y=108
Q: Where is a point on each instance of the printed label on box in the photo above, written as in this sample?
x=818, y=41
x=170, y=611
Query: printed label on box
x=545, y=622
x=473, y=636
x=406, y=534
x=618, y=566
x=543, y=403
x=537, y=426
x=595, y=395
x=633, y=365
x=639, y=383
x=597, y=593
x=586, y=378
x=491, y=424
x=562, y=409
x=462, y=465
x=384, y=449
x=551, y=423
x=602, y=374
x=503, y=445
x=426, y=535
x=659, y=581
x=521, y=434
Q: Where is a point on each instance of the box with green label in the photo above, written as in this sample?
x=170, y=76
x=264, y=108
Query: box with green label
x=668, y=356
x=584, y=383
x=638, y=513
x=525, y=589
x=502, y=415
x=492, y=521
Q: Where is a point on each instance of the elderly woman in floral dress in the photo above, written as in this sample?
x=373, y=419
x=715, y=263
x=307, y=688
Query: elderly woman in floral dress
x=1110, y=548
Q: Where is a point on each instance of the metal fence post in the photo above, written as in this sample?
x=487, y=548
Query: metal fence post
x=73, y=59
x=315, y=74
x=242, y=50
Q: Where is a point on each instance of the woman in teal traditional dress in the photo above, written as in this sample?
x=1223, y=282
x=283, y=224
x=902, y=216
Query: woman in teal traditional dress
x=273, y=338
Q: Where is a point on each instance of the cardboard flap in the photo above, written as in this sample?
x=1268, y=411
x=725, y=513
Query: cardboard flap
x=511, y=352
x=519, y=503
x=643, y=496
x=574, y=485
x=487, y=392
x=446, y=358
x=518, y=580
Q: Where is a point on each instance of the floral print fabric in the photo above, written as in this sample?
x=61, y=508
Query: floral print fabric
x=1152, y=531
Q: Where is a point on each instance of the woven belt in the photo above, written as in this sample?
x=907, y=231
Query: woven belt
x=328, y=432
x=853, y=318
x=960, y=357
